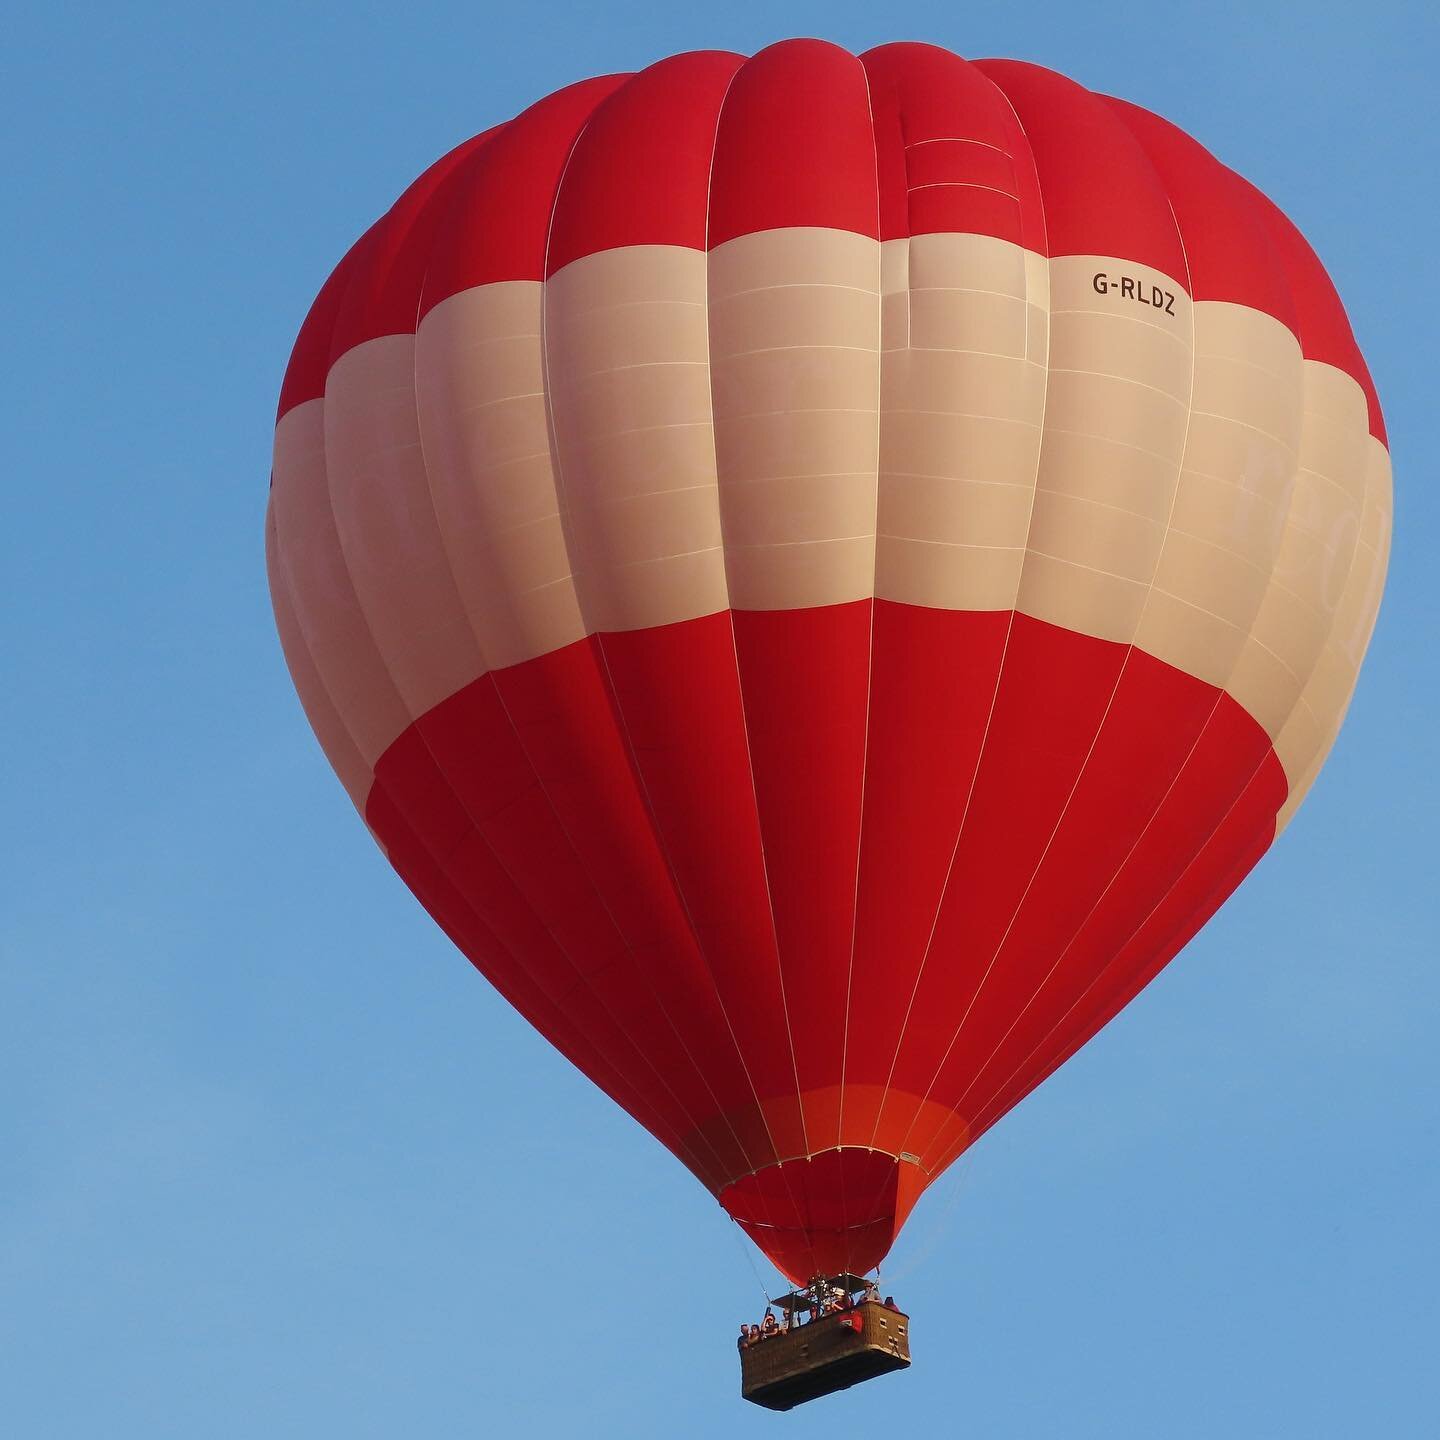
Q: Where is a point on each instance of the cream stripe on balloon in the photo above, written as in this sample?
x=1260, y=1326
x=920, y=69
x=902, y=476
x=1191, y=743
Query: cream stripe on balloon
x=479, y=383
x=1248, y=578
x=629, y=391
x=794, y=371
x=1314, y=556
x=1326, y=696
x=322, y=594
x=1232, y=499
x=965, y=323
x=387, y=526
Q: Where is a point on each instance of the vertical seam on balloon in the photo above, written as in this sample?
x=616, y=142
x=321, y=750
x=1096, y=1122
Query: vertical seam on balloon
x=720, y=523
x=1005, y=644
x=875, y=1196
x=870, y=648
x=740, y=689
x=734, y=643
x=1109, y=704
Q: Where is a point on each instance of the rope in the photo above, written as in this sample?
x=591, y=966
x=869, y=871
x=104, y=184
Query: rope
x=745, y=1250
x=958, y=1174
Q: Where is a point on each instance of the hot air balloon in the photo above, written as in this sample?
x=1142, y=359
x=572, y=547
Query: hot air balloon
x=821, y=574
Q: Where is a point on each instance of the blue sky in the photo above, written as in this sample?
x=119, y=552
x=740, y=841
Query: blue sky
x=272, y=1156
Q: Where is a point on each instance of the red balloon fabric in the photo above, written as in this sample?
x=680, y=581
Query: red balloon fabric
x=821, y=573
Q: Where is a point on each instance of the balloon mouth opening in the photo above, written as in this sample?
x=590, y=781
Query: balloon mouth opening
x=832, y=1213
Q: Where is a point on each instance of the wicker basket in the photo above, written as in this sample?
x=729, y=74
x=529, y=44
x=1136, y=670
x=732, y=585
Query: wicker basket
x=825, y=1355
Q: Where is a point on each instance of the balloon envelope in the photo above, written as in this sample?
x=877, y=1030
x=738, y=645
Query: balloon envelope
x=821, y=573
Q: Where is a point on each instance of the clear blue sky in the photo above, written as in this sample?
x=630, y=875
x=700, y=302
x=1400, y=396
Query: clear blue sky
x=271, y=1153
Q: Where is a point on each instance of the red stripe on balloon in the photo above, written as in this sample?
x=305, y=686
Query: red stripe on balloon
x=648, y=848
